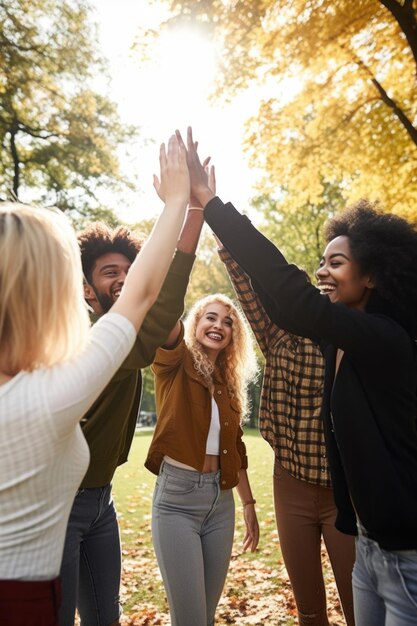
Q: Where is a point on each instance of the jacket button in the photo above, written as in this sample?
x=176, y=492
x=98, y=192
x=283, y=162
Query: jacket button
x=219, y=392
x=223, y=482
x=226, y=423
x=224, y=451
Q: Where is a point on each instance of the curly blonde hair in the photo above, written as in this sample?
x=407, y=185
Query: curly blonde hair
x=236, y=363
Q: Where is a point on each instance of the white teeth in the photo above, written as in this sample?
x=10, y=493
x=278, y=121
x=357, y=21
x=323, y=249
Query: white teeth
x=215, y=336
x=116, y=294
x=326, y=288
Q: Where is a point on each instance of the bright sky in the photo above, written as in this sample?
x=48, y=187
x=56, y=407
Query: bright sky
x=167, y=93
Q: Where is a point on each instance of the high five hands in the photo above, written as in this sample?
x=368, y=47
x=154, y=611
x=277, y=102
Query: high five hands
x=202, y=177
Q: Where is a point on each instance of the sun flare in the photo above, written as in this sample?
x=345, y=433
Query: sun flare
x=187, y=59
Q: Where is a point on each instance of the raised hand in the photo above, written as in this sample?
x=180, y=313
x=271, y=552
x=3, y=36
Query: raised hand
x=212, y=178
x=199, y=175
x=148, y=271
x=194, y=202
x=174, y=184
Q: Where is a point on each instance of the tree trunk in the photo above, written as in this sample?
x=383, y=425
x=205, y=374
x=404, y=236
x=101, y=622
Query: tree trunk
x=405, y=15
x=15, y=156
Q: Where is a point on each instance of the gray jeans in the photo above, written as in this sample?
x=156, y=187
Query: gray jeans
x=192, y=527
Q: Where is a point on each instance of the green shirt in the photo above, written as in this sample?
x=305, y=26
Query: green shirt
x=110, y=423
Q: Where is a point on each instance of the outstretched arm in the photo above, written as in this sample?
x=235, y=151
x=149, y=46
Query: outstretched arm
x=149, y=269
x=187, y=242
x=191, y=231
x=261, y=325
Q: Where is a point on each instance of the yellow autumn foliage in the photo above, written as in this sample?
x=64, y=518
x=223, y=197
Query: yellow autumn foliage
x=341, y=104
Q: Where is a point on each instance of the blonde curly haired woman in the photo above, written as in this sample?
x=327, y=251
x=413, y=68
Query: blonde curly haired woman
x=201, y=379
x=52, y=368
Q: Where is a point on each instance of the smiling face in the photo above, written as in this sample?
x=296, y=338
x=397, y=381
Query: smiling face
x=339, y=275
x=107, y=280
x=214, y=329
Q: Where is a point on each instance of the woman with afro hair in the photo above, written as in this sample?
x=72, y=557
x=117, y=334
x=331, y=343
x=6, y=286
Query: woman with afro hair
x=365, y=314
x=201, y=379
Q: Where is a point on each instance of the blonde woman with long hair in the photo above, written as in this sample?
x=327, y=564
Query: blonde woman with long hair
x=201, y=379
x=52, y=368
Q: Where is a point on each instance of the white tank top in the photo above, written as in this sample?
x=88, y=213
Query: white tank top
x=213, y=437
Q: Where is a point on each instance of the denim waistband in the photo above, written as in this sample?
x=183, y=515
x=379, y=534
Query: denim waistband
x=192, y=475
x=99, y=490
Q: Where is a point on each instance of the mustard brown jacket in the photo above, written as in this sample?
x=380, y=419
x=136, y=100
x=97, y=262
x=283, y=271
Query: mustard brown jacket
x=183, y=407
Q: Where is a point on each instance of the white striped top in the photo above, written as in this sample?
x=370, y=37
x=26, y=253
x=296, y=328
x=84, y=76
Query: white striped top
x=43, y=453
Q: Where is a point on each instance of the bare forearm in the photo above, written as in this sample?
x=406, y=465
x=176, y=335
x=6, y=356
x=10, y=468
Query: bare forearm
x=150, y=267
x=243, y=487
x=191, y=230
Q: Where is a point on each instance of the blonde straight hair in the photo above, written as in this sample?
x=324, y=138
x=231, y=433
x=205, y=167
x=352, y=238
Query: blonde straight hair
x=43, y=315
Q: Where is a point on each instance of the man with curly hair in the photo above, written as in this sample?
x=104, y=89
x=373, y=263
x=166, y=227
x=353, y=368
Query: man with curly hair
x=91, y=566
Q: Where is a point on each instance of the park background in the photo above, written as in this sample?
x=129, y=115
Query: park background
x=303, y=105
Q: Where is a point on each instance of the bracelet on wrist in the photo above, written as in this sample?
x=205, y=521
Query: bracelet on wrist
x=195, y=208
x=248, y=502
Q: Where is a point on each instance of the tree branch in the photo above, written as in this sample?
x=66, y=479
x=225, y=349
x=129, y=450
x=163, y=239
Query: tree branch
x=38, y=133
x=390, y=102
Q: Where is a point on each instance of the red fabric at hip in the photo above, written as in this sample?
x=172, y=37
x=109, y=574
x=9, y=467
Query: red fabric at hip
x=29, y=603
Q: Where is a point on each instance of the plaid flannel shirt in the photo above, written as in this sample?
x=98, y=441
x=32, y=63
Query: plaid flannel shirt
x=292, y=388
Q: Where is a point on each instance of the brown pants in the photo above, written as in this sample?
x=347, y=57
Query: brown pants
x=29, y=603
x=304, y=513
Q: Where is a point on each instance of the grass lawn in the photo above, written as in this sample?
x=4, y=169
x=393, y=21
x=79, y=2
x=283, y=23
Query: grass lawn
x=257, y=589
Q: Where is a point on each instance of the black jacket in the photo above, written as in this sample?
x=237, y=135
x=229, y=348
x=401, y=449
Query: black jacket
x=370, y=412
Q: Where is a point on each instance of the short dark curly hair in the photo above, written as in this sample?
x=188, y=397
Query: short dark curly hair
x=98, y=239
x=385, y=246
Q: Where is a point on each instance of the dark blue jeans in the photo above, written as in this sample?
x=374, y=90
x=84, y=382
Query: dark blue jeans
x=91, y=564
